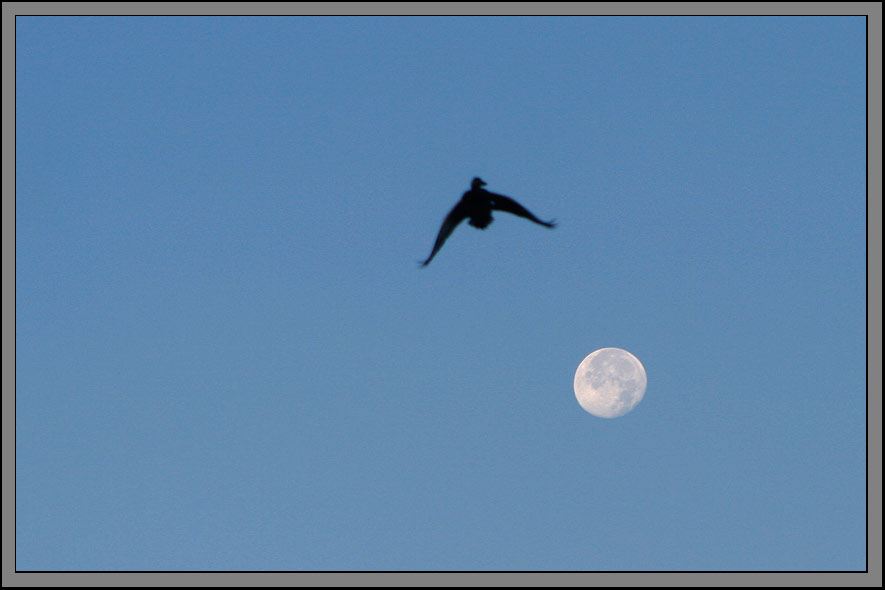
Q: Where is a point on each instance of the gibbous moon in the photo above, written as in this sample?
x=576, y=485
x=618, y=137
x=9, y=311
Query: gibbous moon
x=610, y=382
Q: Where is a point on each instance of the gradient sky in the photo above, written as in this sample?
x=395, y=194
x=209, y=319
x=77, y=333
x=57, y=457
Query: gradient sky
x=227, y=357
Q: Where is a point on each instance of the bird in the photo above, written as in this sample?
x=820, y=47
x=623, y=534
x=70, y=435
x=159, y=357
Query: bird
x=477, y=205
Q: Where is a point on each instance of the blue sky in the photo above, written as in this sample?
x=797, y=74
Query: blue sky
x=227, y=357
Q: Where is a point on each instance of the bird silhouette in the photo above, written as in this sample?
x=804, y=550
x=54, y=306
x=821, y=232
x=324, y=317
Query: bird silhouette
x=477, y=205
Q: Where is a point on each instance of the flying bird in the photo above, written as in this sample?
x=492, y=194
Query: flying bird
x=477, y=205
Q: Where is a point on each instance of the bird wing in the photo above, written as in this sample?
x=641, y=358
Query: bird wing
x=502, y=203
x=455, y=216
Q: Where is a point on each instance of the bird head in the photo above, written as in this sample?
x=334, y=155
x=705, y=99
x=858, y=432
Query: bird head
x=477, y=182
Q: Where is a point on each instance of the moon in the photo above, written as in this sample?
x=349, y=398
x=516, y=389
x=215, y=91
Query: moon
x=610, y=382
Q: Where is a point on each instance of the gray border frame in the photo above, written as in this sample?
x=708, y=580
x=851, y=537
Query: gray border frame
x=873, y=577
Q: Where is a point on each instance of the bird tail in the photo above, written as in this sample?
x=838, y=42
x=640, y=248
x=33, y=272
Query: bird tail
x=481, y=222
